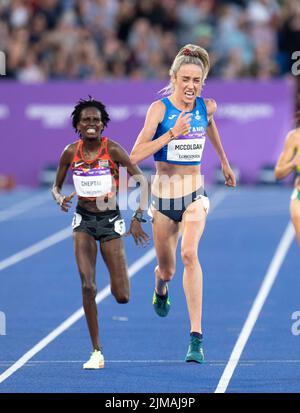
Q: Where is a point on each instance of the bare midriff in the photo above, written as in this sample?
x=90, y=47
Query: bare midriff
x=174, y=181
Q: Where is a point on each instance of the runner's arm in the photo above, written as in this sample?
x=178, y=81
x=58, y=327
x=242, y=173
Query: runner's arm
x=287, y=161
x=63, y=166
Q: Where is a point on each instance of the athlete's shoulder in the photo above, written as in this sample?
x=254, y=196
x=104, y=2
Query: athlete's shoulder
x=111, y=144
x=293, y=137
x=114, y=147
x=72, y=146
x=69, y=151
x=157, y=105
x=156, y=111
x=293, y=133
x=211, y=106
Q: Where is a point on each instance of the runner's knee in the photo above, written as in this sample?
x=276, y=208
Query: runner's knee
x=166, y=273
x=189, y=257
x=89, y=288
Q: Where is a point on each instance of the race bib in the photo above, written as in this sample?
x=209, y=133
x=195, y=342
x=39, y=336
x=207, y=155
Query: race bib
x=185, y=150
x=205, y=202
x=76, y=220
x=92, y=183
x=120, y=227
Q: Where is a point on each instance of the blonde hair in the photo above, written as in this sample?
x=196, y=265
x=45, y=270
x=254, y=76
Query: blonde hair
x=188, y=54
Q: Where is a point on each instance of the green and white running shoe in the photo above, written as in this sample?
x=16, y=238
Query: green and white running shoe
x=195, y=351
x=161, y=305
x=96, y=361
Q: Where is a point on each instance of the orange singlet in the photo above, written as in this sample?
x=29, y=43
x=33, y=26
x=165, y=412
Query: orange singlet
x=98, y=177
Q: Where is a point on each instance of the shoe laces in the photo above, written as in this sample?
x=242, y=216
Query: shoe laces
x=162, y=301
x=95, y=353
x=196, y=344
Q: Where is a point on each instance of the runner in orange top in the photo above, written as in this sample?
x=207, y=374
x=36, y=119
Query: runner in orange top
x=95, y=161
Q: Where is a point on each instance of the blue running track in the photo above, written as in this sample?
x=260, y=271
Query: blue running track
x=40, y=289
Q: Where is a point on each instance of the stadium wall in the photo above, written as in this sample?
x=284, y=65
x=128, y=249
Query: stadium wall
x=253, y=118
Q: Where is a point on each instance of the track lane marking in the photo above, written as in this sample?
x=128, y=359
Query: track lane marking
x=257, y=306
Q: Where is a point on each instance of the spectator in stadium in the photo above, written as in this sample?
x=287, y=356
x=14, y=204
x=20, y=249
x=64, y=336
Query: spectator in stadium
x=135, y=31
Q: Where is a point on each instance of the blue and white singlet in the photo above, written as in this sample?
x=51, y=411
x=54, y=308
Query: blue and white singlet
x=185, y=149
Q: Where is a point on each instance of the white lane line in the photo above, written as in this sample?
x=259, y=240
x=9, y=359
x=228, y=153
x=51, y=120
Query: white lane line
x=260, y=299
x=133, y=269
x=37, y=247
x=65, y=233
x=5, y=363
x=258, y=214
x=36, y=362
x=250, y=214
x=217, y=198
x=26, y=205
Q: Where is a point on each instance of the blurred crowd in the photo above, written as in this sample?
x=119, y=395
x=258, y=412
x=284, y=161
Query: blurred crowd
x=102, y=39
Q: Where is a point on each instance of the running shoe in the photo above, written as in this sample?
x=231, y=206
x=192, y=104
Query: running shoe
x=161, y=305
x=96, y=361
x=195, y=351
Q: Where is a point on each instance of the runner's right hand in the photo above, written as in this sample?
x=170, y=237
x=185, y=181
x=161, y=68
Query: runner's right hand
x=182, y=125
x=65, y=201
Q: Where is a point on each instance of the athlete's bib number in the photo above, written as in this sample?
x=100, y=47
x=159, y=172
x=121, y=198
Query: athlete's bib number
x=185, y=150
x=93, y=186
x=119, y=227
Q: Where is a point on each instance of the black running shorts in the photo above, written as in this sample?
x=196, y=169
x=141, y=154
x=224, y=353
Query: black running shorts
x=103, y=226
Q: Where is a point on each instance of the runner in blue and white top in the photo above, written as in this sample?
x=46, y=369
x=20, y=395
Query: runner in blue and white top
x=186, y=149
x=174, y=132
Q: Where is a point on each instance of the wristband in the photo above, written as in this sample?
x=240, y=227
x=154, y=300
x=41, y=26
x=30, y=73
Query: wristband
x=138, y=216
x=61, y=200
x=171, y=134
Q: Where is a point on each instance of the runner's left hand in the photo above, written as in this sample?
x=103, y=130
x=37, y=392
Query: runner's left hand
x=228, y=175
x=140, y=237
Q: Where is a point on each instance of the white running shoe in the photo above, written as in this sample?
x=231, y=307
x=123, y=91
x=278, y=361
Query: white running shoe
x=96, y=361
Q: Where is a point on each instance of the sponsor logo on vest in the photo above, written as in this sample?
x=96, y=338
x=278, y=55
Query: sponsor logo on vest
x=104, y=163
x=76, y=164
x=197, y=156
